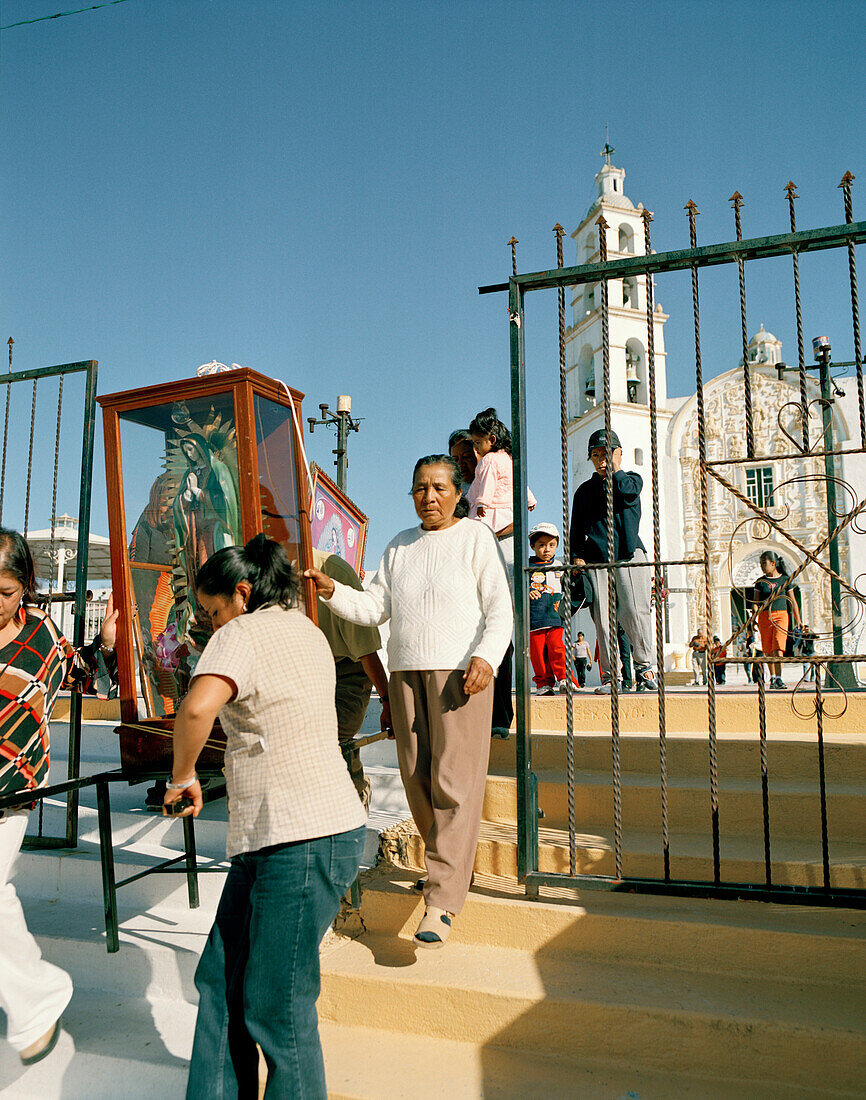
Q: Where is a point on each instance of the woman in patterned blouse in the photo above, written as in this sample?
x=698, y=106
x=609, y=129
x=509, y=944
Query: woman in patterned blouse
x=36, y=661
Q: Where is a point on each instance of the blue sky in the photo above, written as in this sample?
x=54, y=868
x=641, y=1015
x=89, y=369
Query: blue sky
x=317, y=190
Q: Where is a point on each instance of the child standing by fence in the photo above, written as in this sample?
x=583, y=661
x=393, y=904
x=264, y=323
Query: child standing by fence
x=546, y=648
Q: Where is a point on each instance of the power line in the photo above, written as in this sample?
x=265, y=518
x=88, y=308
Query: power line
x=61, y=14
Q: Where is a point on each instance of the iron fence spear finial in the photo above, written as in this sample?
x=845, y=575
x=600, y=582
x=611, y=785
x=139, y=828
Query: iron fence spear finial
x=737, y=200
x=10, y=342
x=791, y=191
x=513, y=243
x=560, y=233
x=693, y=212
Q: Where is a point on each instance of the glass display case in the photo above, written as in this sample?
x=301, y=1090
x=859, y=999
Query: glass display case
x=191, y=466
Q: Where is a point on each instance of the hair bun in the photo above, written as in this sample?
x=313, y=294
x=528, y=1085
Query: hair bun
x=258, y=551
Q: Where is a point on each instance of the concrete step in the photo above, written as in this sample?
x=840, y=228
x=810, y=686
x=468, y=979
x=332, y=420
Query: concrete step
x=794, y=805
x=793, y=862
x=749, y=938
x=367, y=1064
x=686, y=712
x=118, y=1046
x=791, y=756
x=605, y=1013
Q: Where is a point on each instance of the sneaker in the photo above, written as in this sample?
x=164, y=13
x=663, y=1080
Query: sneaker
x=561, y=687
x=502, y=732
x=627, y=685
x=777, y=683
x=546, y=689
x=646, y=680
x=604, y=688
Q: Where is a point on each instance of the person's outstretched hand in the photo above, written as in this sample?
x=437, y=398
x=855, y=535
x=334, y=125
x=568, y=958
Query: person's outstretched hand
x=324, y=584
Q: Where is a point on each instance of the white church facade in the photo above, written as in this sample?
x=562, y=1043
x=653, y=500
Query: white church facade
x=789, y=488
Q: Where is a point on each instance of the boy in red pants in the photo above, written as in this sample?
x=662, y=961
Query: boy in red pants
x=546, y=649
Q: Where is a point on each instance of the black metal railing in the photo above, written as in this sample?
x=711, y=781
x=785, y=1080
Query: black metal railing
x=835, y=668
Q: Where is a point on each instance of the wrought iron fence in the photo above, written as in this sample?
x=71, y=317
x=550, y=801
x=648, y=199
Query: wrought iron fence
x=23, y=426
x=833, y=672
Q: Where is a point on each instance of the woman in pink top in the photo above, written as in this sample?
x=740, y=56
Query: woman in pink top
x=491, y=494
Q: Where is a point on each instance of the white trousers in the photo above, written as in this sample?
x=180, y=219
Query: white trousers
x=33, y=992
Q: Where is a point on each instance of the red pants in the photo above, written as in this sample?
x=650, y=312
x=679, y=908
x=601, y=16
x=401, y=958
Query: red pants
x=547, y=654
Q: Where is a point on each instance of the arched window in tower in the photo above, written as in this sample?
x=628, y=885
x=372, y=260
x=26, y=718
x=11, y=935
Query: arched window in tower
x=629, y=293
x=635, y=372
x=626, y=239
x=586, y=376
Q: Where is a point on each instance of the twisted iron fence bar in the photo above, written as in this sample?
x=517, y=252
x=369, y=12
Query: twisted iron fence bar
x=5, y=445
x=737, y=200
x=695, y=258
x=791, y=189
x=657, y=553
x=819, y=720
x=89, y=369
x=812, y=557
x=693, y=211
x=765, y=779
x=527, y=792
x=847, y=180
x=566, y=574
x=613, y=640
x=30, y=460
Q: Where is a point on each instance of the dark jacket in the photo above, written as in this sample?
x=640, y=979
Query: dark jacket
x=588, y=531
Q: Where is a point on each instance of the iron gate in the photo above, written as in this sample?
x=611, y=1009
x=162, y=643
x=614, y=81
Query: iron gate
x=41, y=457
x=795, y=422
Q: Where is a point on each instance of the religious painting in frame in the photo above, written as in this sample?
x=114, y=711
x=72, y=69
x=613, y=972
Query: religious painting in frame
x=338, y=526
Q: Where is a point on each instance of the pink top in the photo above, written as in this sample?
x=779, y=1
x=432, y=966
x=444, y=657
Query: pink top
x=493, y=488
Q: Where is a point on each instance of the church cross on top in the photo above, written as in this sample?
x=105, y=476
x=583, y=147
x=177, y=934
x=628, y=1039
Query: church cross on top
x=608, y=150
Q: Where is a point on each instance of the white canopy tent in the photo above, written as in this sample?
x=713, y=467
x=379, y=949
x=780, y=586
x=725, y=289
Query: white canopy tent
x=55, y=562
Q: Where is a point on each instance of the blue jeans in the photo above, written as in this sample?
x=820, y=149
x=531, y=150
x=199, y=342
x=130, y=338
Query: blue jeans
x=258, y=978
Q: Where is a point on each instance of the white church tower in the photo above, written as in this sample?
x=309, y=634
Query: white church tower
x=630, y=417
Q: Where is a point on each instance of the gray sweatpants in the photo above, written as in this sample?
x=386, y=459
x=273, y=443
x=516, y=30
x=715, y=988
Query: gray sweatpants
x=633, y=587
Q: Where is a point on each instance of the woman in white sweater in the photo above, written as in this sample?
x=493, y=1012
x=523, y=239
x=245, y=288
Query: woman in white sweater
x=444, y=589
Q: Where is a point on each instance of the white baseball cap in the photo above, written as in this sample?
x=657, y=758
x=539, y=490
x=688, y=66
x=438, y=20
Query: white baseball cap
x=544, y=529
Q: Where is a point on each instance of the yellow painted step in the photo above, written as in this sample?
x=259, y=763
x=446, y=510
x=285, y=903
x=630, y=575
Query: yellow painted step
x=688, y=712
x=791, y=756
x=362, y=1063
x=747, y=937
x=659, y=1019
x=794, y=806
x=794, y=862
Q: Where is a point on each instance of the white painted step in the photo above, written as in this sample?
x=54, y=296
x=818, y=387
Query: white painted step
x=112, y=1047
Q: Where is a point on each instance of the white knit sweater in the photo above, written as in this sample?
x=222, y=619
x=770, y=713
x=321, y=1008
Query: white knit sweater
x=446, y=594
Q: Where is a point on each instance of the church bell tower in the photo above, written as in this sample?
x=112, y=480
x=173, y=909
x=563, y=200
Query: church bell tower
x=629, y=377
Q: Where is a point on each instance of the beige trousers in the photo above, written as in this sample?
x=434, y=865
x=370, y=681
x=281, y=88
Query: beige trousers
x=443, y=748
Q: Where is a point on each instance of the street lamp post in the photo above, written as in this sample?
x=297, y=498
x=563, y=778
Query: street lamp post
x=344, y=423
x=842, y=673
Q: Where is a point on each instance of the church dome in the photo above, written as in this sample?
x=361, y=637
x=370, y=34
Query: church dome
x=764, y=347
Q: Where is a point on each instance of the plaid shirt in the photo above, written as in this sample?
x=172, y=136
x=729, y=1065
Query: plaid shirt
x=286, y=777
x=34, y=667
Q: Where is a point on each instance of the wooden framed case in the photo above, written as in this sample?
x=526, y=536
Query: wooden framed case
x=191, y=466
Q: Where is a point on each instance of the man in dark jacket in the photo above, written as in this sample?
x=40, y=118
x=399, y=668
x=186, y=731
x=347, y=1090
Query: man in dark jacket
x=588, y=544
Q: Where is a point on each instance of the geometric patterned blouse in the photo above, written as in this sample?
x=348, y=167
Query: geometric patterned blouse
x=34, y=667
